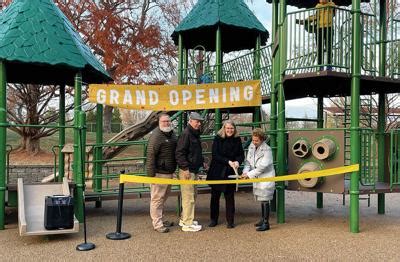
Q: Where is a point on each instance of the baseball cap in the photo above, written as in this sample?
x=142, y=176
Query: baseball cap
x=196, y=116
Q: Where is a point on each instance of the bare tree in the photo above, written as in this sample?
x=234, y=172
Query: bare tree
x=34, y=105
x=369, y=110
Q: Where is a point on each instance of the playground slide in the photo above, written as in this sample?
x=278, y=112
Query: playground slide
x=31, y=199
x=131, y=133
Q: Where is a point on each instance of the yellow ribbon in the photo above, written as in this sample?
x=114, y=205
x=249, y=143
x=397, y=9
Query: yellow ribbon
x=166, y=181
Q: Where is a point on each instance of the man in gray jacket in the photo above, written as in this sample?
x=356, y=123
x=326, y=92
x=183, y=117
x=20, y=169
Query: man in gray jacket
x=161, y=163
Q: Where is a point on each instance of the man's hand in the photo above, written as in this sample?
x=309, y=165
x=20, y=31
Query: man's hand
x=205, y=166
x=186, y=174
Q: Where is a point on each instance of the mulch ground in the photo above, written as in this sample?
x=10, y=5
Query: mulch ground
x=309, y=234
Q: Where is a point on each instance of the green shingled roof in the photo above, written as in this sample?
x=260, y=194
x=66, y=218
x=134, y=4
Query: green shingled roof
x=239, y=26
x=40, y=45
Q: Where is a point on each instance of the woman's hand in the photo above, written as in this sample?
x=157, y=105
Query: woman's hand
x=233, y=164
x=244, y=176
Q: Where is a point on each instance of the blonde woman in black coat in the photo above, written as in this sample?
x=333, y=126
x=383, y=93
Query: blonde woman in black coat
x=227, y=154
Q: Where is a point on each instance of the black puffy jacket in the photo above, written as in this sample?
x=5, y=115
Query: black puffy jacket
x=161, y=153
x=188, y=151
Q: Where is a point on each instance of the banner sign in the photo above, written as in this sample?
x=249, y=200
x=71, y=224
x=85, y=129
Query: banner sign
x=178, y=97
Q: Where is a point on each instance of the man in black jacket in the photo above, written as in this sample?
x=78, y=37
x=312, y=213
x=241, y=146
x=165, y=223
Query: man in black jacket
x=161, y=163
x=189, y=158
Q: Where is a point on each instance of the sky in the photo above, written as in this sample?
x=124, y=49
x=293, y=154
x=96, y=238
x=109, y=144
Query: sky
x=294, y=108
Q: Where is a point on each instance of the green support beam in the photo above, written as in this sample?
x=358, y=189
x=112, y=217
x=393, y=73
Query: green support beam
x=281, y=152
x=3, y=142
x=77, y=165
x=256, y=75
x=180, y=76
x=218, y=64
x=355, y=116
x=98, y=152
x=61, y=133
x=320, y=124
x=275, y=76
x=381, y=105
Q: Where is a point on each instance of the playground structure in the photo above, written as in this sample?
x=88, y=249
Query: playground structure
x=29, y=55
x=364, y=52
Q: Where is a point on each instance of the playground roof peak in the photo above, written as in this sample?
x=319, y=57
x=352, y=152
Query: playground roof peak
x=313, y=3
x=40, y=46
x=239, y=26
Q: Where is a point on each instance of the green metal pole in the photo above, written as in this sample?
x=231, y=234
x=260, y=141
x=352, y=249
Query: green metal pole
x=180, y=60
x=77, y=165
x=61, y=133
x=355, y=116
x=320, y=124
x=257, y=58
x=256, y=75
x=218, y=54
x=3, y=141
x=98, y=152
x=185, y=66
x=180, y=76
x=275, y=76
x=382, y=106
x=281, y=152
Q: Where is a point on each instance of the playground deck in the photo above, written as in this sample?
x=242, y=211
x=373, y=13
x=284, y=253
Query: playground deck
x=332, y=83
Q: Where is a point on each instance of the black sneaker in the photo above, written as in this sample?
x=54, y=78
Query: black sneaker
x=168, y=224
x=259, y=223
x=230, y=226
x=263, y=227
x=213, y=223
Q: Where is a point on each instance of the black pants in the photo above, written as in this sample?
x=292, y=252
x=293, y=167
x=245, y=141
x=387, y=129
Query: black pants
x=229, y=194
x=324, y=38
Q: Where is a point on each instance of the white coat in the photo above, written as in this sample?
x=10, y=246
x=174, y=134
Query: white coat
x=259, y=164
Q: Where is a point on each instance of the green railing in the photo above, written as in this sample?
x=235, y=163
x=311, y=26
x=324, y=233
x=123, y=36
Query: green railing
x=236, y=69
x=393, y=50
x=369, y=157
x=394, y=161
x=312, y=47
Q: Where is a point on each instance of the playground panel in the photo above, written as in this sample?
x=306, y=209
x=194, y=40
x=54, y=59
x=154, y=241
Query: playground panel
x=315, y=150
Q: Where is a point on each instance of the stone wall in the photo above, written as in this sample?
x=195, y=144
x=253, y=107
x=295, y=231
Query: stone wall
x=35, y=173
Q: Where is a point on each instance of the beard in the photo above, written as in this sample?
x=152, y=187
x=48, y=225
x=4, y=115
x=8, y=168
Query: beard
x=166, y=129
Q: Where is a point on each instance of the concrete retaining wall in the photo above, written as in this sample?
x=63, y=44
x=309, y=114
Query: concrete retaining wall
x=35, y=173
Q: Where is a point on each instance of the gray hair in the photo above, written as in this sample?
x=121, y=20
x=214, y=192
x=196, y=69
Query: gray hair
x=221, y=132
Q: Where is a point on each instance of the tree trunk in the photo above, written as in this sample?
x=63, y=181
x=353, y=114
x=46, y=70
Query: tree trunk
x=107, y=118
x=30, y=145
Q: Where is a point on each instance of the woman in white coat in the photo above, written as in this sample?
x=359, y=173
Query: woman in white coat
x=259, y=164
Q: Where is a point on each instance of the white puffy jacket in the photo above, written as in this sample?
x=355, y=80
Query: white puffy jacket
x=259, y=164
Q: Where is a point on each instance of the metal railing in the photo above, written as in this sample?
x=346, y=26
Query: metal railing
x=237, y=69
x=394, y=160
x=316, y=42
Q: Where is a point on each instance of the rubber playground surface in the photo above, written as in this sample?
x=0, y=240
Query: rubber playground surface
x=309, y=234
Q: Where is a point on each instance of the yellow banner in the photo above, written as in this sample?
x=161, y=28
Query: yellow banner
x=178, y=97
x=165, y=181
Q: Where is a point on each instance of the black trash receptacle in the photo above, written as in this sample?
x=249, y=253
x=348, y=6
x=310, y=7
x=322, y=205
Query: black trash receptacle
x=59, y=212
